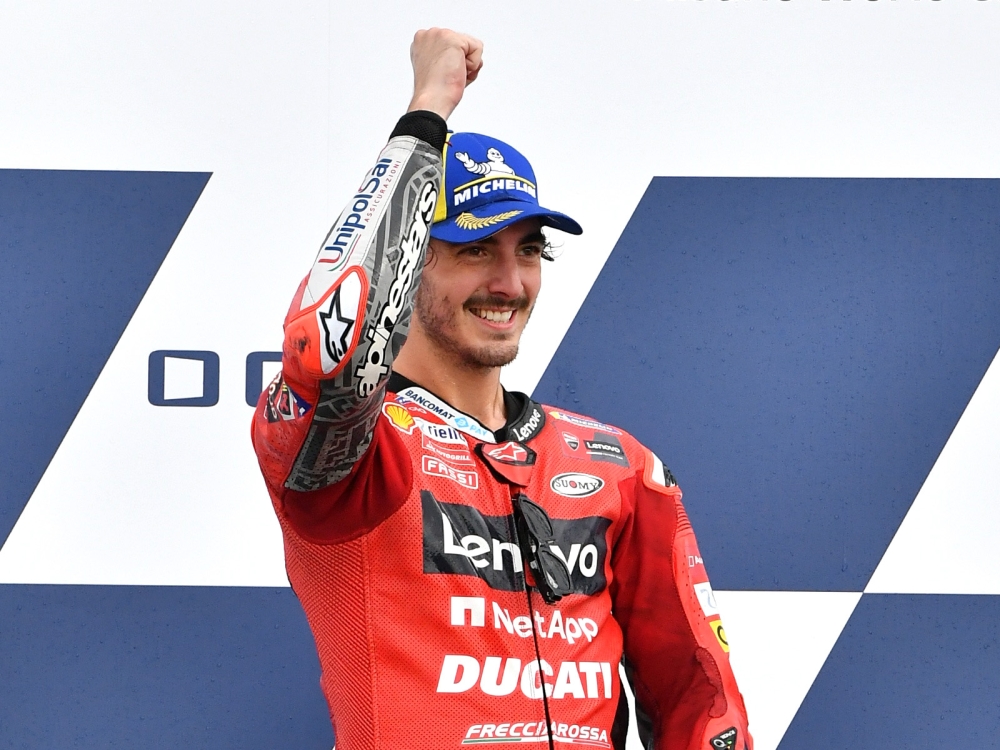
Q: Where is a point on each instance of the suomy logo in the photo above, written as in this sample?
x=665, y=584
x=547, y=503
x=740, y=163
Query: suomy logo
x=576, y=485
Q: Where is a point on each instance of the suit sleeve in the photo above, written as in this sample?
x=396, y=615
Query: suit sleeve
x=676, y=653
x=349, y=318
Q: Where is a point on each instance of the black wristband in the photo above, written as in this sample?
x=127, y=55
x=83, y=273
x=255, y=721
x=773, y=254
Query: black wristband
x=428, y=126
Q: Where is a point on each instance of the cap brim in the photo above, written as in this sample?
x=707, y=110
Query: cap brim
x=481, y=222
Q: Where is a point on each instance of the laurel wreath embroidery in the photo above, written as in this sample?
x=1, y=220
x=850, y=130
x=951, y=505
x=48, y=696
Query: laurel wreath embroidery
x=466, y=220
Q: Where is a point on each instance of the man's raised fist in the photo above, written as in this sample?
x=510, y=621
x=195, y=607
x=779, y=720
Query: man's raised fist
x=444, y=63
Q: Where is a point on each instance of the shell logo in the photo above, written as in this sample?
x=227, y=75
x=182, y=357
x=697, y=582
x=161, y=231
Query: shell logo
x=400, y=417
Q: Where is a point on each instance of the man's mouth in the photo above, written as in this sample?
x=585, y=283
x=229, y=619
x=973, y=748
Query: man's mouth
x=494, y=316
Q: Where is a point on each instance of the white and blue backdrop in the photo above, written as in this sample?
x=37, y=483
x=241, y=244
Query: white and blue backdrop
x=787, y=287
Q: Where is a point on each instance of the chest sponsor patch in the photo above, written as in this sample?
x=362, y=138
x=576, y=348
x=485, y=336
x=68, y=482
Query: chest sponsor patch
x=506, y=732
x=435, y=467
x=459, y=540
x=456, y=454
x=429, y=402
x=400, y=417
x=442, y=433
x=607, y=448
x=576, y=485
x=572, y=445
x=584, y=422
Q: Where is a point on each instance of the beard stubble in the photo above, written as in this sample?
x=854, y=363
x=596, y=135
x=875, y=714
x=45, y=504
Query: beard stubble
x=438, y=320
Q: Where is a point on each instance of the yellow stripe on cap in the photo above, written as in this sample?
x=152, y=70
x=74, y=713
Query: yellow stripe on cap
x=441, y=209
x=465, y=220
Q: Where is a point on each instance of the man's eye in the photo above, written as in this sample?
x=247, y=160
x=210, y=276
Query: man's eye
x=531, y=250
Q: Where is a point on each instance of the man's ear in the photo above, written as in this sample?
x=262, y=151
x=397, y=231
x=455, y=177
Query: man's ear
x=431, y=258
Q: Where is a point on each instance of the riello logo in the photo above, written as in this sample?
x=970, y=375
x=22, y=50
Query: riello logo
x=576, y=485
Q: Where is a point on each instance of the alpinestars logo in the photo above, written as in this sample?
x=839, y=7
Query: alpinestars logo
x=337, y=318
x=509, y=453
x=374, y=366
x=458, y=539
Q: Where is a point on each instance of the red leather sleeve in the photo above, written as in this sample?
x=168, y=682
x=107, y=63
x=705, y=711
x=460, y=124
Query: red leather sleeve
x=674, y=645
x=377, y=487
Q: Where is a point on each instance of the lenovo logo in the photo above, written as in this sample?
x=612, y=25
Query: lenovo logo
x=458, y=539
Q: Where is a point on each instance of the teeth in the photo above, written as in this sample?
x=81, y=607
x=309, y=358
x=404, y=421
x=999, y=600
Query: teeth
x=494, y=316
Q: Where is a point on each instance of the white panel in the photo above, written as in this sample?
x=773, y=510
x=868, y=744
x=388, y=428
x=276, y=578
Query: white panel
x=947, y=544
x=183, y=378
x=287, y=105
x=269, y=371
x=778, y=642
x=632, y=741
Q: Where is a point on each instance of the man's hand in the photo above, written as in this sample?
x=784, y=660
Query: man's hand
x=444, y=63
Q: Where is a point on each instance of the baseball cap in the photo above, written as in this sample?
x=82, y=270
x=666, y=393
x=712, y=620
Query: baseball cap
x=488, y=185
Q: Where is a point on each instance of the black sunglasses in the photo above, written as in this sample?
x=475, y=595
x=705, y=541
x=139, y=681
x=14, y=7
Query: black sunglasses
x=550, y=573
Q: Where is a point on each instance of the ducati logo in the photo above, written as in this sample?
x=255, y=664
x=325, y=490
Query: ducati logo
x=571, y=440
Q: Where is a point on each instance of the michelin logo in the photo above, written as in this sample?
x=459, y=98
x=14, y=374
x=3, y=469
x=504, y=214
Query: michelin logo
x=494, y=163
x=494, y=166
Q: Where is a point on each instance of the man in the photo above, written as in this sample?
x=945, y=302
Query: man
x=474, y=566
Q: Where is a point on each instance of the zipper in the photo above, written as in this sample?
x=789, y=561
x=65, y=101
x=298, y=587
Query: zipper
x=514, y=502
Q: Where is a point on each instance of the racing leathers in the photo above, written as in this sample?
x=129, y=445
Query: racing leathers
x=407, y=535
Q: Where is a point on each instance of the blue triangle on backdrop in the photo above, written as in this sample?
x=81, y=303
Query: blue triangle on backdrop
x=158, y=667
x=918, y=671
x=78, y=252
x=797, y=351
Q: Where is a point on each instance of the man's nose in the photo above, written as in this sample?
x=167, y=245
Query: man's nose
x=505, y=279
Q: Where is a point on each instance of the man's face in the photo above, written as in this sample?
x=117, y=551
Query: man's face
x=474, y=299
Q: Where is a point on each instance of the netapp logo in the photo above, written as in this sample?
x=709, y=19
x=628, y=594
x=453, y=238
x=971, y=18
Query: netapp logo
x=458, y=539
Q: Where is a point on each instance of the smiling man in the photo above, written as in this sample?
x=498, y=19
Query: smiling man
x=474, y=566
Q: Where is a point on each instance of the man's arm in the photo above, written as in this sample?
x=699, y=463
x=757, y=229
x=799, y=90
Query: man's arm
x=676, y=653
x=350, y=315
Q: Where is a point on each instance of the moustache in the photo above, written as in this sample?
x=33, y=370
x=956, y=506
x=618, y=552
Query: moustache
x=496, y=302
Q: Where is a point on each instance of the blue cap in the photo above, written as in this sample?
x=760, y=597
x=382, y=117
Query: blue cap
x=488, y=185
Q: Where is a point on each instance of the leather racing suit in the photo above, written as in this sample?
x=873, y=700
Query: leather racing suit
x=400, y=523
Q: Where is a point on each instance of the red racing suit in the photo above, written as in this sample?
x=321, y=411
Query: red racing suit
x=399, y=517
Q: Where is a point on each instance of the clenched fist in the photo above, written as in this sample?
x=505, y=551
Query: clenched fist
x=444, y=63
